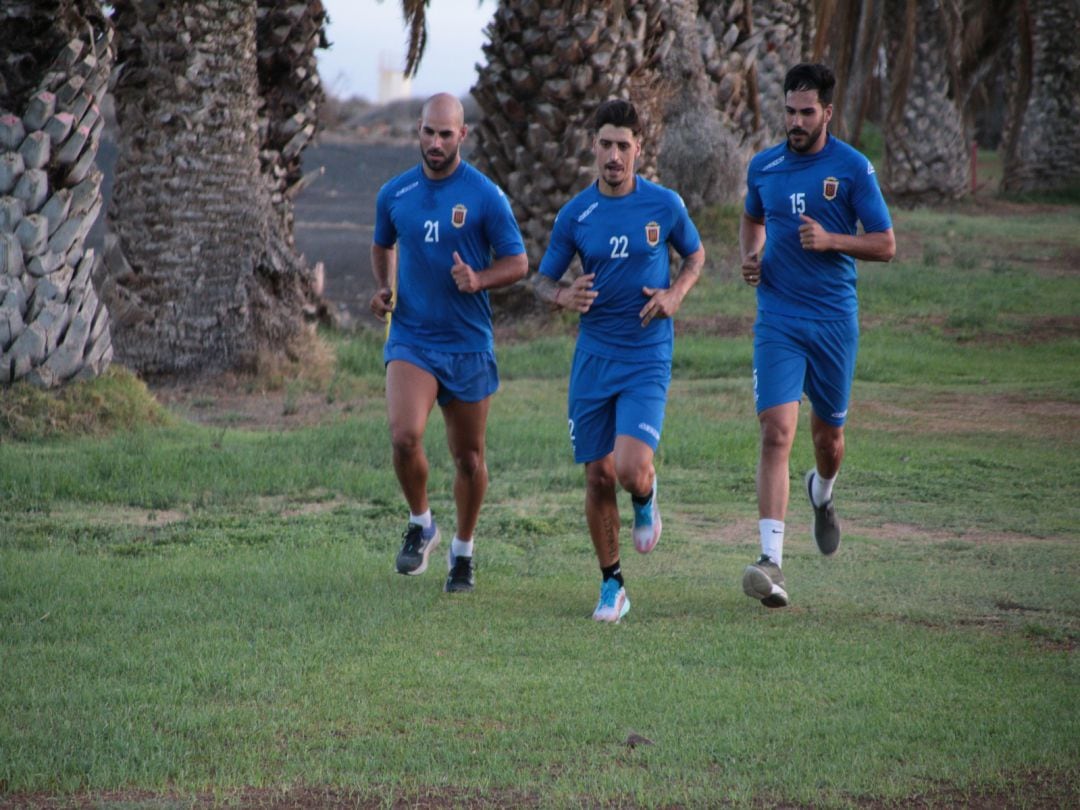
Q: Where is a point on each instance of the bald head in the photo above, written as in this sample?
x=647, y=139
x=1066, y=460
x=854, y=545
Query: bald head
x=442, y=129
x=443, y=106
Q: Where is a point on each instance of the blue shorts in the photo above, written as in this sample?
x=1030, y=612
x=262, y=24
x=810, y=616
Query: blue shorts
x=610, y=398
x=464, y=376
x=796, y=355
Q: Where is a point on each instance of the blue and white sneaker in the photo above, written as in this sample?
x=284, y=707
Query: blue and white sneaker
x=647, y=524
x=613, y=604
x=417, y=545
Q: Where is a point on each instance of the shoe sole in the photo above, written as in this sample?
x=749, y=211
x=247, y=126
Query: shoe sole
x=757, y=585
x=809, y=479
x=424, y=558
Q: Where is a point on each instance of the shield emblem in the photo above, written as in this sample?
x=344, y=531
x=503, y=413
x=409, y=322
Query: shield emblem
x=832, y=185
x=652, y=234
x=457, y=215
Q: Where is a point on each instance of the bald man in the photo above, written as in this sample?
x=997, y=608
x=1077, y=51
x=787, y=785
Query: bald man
x=447, y=234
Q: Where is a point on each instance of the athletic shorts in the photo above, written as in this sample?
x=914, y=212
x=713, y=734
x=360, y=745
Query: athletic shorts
x=610, y=398
x=463, y=376
x=797, y=355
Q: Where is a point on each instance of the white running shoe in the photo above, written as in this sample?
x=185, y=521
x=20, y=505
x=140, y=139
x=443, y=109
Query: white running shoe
x=613, y=604
x=647, y=524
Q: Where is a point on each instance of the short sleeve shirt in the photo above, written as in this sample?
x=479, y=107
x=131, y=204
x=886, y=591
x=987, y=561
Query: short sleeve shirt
x=836, y=187
x=624, y=241
x=428, y=220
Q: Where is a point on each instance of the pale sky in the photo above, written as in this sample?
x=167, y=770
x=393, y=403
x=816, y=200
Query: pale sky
x=363, y=32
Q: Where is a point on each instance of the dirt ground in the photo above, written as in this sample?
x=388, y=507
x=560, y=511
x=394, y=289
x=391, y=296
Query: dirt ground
x=1031, y=790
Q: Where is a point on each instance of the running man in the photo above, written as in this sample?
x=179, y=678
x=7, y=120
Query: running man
x=448, y=234
x=620, y=227
x=804, y=198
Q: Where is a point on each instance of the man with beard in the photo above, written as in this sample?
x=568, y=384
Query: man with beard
x=804, y=198
x=448, y=234
x=620, y=227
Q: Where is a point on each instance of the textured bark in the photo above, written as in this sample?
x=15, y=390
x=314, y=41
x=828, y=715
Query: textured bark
x=549, y=64
x=784, y=35
x=202, y=274
x=926, y=148
x=287, y=35
x=55, y=61
x=690, y=67
x=1043, y=96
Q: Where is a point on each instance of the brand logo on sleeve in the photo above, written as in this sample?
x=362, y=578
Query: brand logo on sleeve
x=587, y=211
x=652, y=234
x=457, y=215
x=406, y=189
x=776, y=162
x=645, y=426
x=831, y=186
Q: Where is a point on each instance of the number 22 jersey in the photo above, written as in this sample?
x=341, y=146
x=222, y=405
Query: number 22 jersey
x=624, y=241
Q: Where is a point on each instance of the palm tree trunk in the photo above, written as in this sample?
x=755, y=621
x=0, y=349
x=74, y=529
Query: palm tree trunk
x=202, y=274
x=1043, y=96
x=926, y=148
x=55, y=60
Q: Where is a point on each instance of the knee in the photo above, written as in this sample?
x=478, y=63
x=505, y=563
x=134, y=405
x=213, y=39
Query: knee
x=776, y=437
x=470, y=462
x=406, y=441
x=600, y=480
x=635, y=478
x=829, y=442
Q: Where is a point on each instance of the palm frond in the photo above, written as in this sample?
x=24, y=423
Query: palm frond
x=415, y=14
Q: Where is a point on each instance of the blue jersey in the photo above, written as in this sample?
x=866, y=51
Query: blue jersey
x=624, y=241
x=836, y=187
x=429, y=220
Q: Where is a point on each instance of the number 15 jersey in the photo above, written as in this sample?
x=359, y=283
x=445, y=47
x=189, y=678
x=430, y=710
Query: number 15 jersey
x=836, y=187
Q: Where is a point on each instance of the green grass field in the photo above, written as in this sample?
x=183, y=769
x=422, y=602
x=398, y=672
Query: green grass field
x=195, y=614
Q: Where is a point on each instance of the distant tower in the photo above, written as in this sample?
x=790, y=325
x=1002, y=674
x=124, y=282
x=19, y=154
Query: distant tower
x=392, y=82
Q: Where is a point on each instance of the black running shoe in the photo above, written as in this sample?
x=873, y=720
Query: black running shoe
x=416, y=548
x=826, y=526
x=462, y=576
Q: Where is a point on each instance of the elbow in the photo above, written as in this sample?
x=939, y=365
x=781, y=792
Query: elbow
x=888, y=249
x=521, y=267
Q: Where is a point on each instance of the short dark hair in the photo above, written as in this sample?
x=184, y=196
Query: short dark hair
x=618, y=113
x=808, y=76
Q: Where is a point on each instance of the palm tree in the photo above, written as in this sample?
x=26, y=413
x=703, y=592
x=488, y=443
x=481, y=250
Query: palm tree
x=1043, y=95
x=55, y=60
x=214, y=103
x=926, y=146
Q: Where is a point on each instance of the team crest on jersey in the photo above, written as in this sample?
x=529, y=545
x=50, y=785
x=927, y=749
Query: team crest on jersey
x=831, y=186
x=457, y=215
x=652, y=234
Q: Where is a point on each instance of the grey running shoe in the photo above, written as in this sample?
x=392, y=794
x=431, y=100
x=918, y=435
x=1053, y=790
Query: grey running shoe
x=763, y=580
x=462, y=576
x=826, y=526
x=417, y=545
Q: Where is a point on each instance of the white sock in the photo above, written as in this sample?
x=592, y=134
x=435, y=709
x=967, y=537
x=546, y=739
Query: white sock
x=821, y=488
x=421, y=520
x=772, y=539
x=461, y=548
